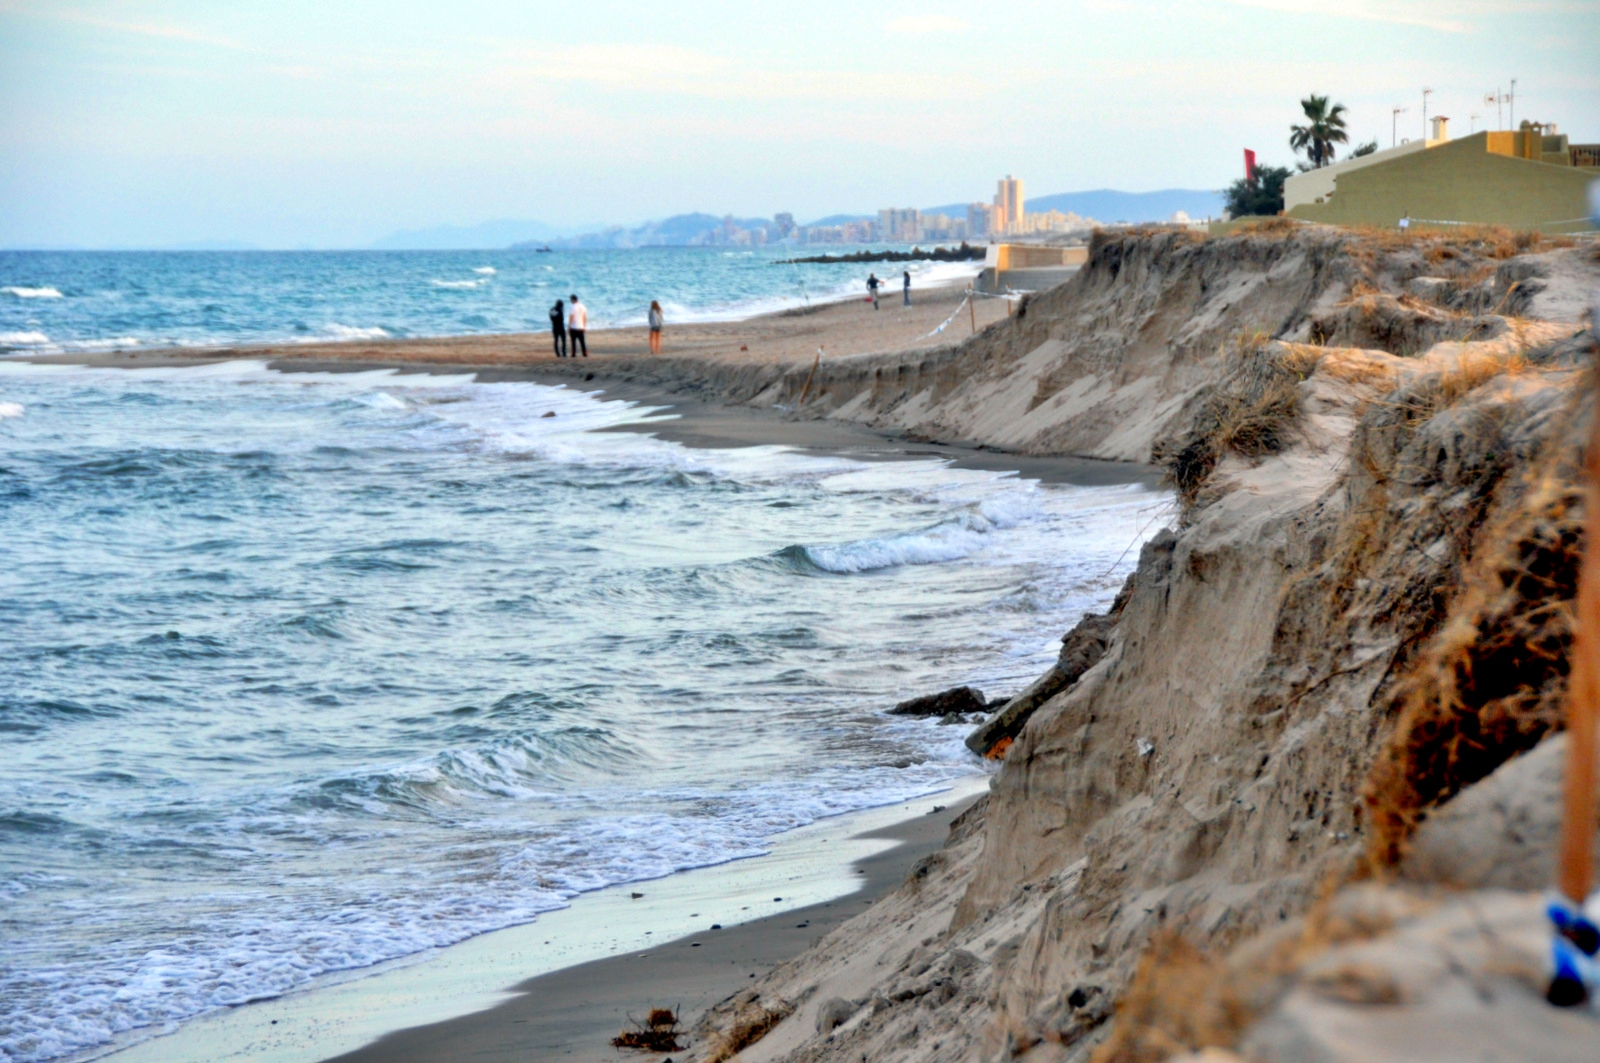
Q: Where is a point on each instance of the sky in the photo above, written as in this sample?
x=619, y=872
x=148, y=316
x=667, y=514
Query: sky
x=139, y=123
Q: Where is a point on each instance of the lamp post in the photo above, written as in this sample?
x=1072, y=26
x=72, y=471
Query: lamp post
x=1394, y=125
x=1426, y=92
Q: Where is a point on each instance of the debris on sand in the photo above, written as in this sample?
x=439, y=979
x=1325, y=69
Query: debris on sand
x=658, y=1033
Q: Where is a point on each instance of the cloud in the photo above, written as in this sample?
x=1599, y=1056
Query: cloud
x=1427, y=14
x=927, y=24
x=658, y=70
x=164, y=31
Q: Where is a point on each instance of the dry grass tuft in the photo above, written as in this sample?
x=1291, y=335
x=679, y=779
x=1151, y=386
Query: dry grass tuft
x=1490, y=684
x=1178, y=1001
x=751, y=1022
x=1251, y=412
x=1181, y=999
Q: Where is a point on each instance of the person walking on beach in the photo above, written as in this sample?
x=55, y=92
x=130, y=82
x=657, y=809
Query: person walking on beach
x=657, y=319
x=558, y=328
x=577, y=326
x=906, y=287
x=872, y=287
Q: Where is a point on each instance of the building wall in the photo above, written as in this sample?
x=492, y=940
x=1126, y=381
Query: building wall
x=1004, y=257
x=1308, y=187
x=1460, y=181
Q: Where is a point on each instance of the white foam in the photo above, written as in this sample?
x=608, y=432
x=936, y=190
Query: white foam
x=31, y=338
x=31, y=293
x=458, y=285
x=350, y=332
x=947, y=541
x=485, y=270
x=114, y=343
x=10, y=409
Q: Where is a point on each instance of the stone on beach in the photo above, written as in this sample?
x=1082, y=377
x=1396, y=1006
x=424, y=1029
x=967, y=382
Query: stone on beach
x=954, y=700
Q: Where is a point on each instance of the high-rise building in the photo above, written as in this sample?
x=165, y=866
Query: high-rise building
x=784, y=223
x=1011, y=216
x=900, y=226
x=980, y=220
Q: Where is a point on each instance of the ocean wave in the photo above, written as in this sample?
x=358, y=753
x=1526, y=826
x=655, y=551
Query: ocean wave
x=950, y=540
x=487, y=271
x=30, y=338
x=459, y=285
x=11, y=409
x=31, y=293
x=113, y=343
x=351, y=332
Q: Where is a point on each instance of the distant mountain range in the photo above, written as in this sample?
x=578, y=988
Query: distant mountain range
x=1109, y=206
x=677, y=231
x=1103, y=205
x=485, y=236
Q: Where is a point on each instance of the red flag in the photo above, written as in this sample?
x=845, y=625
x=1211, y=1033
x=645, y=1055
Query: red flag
x=1249, y=166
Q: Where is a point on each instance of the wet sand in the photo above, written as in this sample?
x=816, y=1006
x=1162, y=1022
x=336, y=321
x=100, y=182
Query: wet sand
x=572, y=1014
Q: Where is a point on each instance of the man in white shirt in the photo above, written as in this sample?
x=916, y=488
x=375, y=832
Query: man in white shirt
x=577, y=325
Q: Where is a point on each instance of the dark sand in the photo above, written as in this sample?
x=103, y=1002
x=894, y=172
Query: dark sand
x=572, y=1014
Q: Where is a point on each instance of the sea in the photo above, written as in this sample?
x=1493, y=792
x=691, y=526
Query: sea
x=54, y=301
x=308, y=672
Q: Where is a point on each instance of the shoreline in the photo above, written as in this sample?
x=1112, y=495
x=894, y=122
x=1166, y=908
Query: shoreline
x=688, y=413
x=564, y=984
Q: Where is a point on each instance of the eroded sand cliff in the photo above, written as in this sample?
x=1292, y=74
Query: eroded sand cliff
x=1356, y=625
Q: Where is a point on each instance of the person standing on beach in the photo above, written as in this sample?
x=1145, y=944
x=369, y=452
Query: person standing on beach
x=872, y=287
x=906, y=287
x=558, y=328
x=657, y=319
x=577, y=326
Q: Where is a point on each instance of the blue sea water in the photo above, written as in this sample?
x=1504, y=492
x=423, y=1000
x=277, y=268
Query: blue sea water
x=55, y=301
x=306, y=672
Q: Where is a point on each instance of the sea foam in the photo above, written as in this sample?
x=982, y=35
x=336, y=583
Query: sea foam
x=31, y=293
x=350, y=332
x=29, y=338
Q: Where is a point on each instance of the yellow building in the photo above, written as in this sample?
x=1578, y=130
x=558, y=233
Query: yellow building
x=1008, y=206
x=1532, y=178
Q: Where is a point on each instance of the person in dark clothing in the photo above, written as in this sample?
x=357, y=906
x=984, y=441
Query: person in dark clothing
x=872, y=287
x=906, y=289
x=558, y=328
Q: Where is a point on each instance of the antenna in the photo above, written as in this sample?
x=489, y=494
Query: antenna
x=1426, y=92
x=1474, y=121
x=1394, y=124
x=1511, y=103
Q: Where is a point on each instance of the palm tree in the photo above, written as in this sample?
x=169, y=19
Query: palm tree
x=1323, y=129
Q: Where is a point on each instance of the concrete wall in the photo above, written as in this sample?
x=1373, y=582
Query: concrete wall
x=1033, y=279
x=1461, y=181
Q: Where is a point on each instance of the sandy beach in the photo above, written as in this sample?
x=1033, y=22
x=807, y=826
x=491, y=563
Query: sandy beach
x=791, y=336
x=562, y=986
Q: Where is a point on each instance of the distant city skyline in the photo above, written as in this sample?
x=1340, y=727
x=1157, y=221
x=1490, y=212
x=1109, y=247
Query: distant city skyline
x=144, y=123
